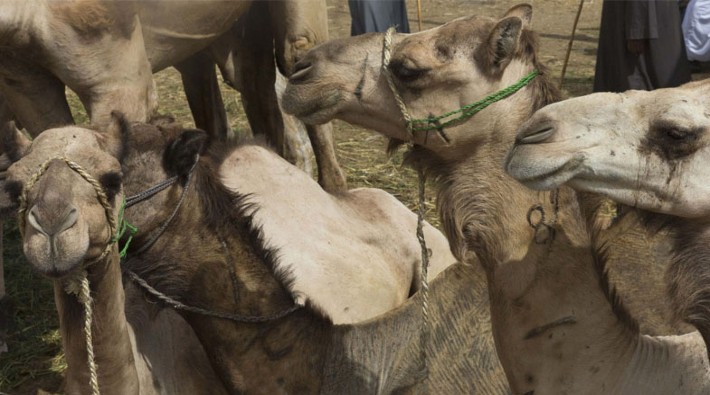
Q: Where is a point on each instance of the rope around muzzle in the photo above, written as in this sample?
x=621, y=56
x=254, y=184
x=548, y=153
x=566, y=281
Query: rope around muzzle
x=78, y=283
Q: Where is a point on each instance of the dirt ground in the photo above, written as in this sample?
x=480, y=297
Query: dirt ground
x=35, y=360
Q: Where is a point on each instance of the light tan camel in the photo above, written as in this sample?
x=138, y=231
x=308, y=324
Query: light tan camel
x=361, y=243
x=642, y=149
x=214, y=255
x=558, y=324
x=138, y=349
x=107, y=50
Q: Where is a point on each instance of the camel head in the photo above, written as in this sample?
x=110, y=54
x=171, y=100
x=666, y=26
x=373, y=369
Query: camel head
x=63, y=222
x=643, y=149
x=435, y=72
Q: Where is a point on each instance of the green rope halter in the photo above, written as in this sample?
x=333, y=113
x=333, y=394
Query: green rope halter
x=123, y=227
x=467, y=111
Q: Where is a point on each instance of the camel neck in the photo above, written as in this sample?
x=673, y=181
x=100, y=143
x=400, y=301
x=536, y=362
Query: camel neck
x=230, y=273
x=112, y=346
x=551, y=317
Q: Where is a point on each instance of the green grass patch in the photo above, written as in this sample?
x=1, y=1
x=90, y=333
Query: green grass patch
x=35, y=359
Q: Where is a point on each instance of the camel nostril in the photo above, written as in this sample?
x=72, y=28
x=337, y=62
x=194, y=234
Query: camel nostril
x=300, y=71
x=538, y=136
x=69, y=220
x=33, y=220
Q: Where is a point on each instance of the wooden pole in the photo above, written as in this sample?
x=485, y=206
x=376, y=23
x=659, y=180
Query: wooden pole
x=419, y=13
x=571, y=41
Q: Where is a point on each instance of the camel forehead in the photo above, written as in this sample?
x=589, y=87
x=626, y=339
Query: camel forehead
x=465, y=32
x=668, y=106
x=66, y=141
x=74, y=143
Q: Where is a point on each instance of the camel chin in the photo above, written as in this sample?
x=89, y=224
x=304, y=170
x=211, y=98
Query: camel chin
x=541, y=172
x=57, y=256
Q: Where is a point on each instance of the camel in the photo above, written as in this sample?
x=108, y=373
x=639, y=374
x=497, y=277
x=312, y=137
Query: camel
x=226, y=263
x=106, y=52
x=642, y=149
x=559, y=325
x=139, y=350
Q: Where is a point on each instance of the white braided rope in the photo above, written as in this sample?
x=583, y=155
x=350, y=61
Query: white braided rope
x=425, y=333
x=79, y=286
x=78, y=283
x=386, y=54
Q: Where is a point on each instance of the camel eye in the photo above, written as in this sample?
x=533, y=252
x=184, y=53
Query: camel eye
x=677, y=134
x=406, y=73
x=13, y=190
x=111, y=183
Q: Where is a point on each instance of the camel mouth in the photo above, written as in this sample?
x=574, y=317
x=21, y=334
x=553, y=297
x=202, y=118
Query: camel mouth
x=311, y=105
x=535, y=137
x=56, y=256
x=547, y=176
x=300, y=72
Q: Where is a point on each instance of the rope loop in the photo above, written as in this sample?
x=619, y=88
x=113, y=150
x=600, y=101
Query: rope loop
x=544, y=230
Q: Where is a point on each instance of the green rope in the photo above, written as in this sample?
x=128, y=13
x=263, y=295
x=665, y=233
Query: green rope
x=124, y=226
x=433, y=123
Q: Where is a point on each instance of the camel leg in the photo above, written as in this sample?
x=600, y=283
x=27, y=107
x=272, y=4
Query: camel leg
x=254, y=48
x=298, y=26
x=295, y=133
x=199, y=79
x=330, y=176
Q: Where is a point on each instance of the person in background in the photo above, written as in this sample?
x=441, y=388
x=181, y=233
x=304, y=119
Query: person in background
x=377, y=16
x=696, y=30
x=640, y=46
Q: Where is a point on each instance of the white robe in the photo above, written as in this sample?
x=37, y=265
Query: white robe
x=696, y=30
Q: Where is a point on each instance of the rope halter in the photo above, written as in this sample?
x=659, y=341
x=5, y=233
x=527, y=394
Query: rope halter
x=78, y=282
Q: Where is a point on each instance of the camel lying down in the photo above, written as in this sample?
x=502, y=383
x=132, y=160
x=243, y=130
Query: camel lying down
x=643, y=149
x=225, y=263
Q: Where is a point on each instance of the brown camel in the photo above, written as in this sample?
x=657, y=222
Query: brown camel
x=642, y=149
x=213, y=255
x=138, y=349
x=558, y=324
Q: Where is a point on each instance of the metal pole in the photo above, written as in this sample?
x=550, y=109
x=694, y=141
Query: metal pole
x=571, y=41
x=419, y=13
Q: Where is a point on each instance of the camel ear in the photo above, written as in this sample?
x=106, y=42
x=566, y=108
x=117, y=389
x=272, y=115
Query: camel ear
x=501, y=45
x=14, y=145
x=182, y=152
x=522, y=11
x=116, y=135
